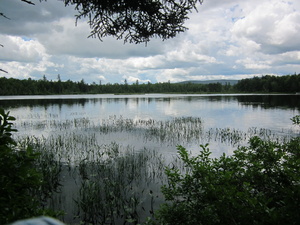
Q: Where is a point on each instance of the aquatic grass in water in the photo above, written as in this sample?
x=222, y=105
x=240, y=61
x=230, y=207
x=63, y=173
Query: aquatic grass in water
x=120, y=188
x=50, y=167
x=112, y=182
x=179, y=130
x=105, y=177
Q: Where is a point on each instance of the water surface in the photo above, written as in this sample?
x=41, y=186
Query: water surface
x=78, y=127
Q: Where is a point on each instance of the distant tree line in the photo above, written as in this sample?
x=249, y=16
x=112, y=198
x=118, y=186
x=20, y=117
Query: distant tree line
x=12, y=86
x=264, y=84
x=268, y=83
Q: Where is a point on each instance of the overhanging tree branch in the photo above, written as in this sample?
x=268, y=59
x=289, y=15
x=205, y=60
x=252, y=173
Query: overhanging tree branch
x=2, y=14
x=1, y=70
x=135, y=21
x=29, y=2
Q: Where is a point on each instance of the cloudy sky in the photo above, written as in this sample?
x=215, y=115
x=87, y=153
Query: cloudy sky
x=227, y=39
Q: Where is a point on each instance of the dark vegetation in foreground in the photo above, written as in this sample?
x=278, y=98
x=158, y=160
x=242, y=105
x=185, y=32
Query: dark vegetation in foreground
x=264, y=84
x=258, y=184
x=23, y=188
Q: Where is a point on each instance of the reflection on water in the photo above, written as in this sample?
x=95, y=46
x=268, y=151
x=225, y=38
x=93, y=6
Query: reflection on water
x=238, y=111
x=111, y=145
x=39, y=115
x=268, y=101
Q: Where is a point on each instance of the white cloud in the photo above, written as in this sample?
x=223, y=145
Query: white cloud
x=173, y=75
x=23, y=70
x=272, y=25
x=145, y=62
x=250, y=63
x=19, y=49
x=244, y=47
x=226, y=39
x=288, y=57
x=24, y=58
x=132, y=79
x=189, y=52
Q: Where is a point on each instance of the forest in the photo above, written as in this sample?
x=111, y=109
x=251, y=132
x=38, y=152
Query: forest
x=263, y=84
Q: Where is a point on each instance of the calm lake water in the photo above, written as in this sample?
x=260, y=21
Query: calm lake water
x=239, y=112
x=76, y=128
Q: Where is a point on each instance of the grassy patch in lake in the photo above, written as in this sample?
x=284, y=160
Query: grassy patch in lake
x=110, y=171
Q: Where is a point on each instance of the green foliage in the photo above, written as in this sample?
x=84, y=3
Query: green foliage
x=268, y=83
x=283, y=84
x=296, y=120
x=18, y=177
x=19, y=180
x=258, y=184
x=6, y=128
x=14, y=86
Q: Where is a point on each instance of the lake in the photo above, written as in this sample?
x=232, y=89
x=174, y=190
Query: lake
x=88, y=132
x=240, y=112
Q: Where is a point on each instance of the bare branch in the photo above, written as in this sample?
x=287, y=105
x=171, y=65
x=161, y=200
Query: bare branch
x=1, y=14
x=1, y=70
x=29, y=2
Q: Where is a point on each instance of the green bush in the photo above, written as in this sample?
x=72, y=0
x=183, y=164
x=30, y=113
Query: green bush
x=258, y=184
x=19, y=180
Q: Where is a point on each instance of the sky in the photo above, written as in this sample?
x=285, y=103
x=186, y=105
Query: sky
x=227, y=39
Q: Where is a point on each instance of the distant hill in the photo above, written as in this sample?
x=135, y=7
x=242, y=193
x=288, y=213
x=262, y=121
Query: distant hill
x=223, y=81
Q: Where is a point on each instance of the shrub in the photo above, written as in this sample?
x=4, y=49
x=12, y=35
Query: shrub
x=19, y=179
x=258, y=184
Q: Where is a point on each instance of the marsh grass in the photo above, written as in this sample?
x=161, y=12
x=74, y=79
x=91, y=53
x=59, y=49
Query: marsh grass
x=111, y=183
x=120, y=189
x=98, y=173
